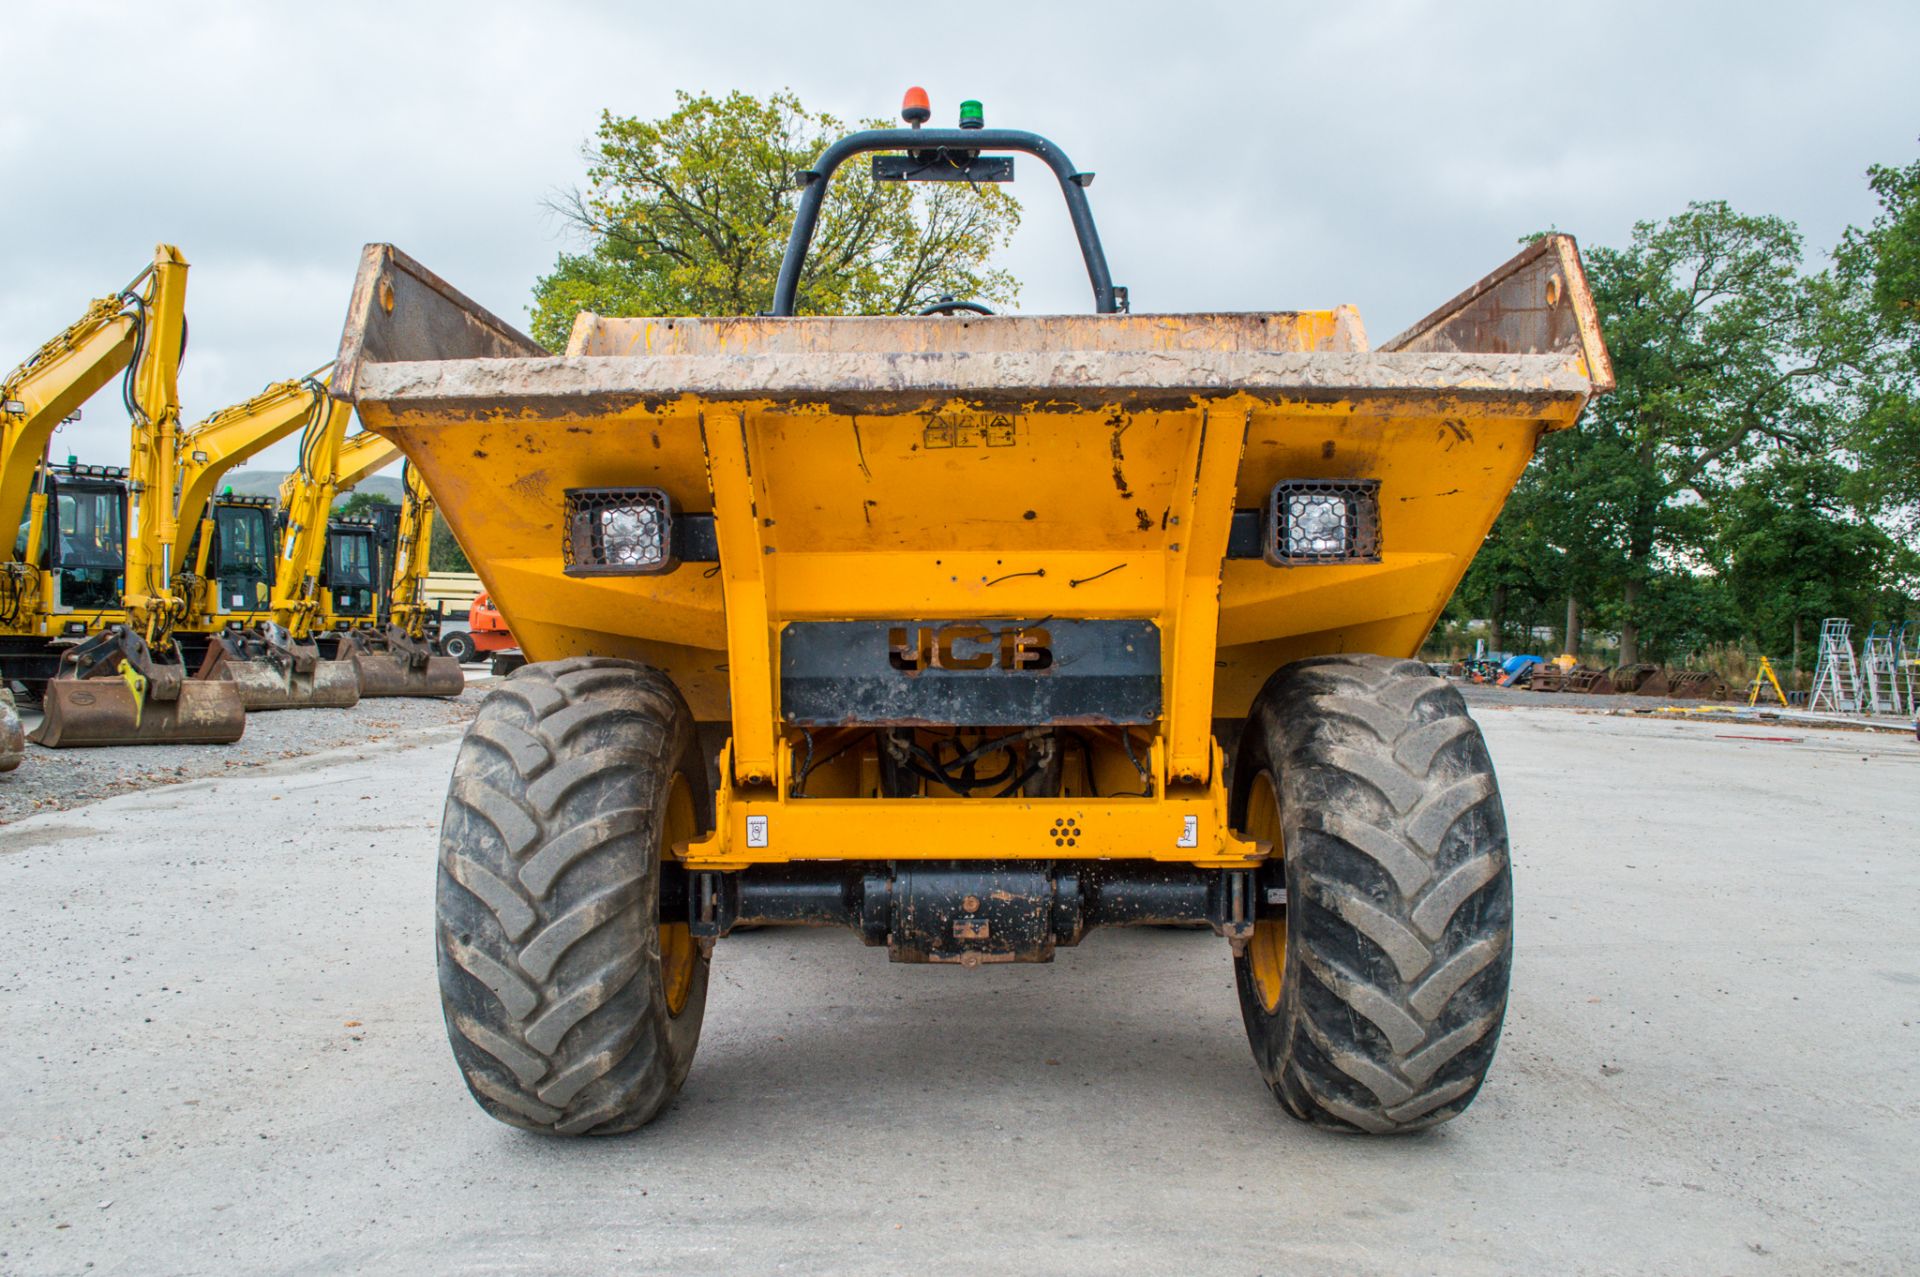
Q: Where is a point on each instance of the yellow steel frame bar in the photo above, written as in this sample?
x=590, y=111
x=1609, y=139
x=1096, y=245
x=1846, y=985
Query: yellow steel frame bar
x=1197, y=548
x=745, y=579
x=1190, y=828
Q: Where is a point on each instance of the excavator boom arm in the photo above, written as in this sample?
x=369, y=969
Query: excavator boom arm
x=211, y=448
x=50, y=386
x=360, y=455
x=412, y=549
x=151, y=524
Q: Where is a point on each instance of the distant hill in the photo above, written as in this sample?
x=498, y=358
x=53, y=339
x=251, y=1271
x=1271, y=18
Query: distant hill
x=266, y=483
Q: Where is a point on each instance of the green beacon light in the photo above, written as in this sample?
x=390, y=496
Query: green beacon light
x=971, y=116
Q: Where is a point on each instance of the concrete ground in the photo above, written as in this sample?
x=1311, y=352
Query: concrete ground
x=225, y=1055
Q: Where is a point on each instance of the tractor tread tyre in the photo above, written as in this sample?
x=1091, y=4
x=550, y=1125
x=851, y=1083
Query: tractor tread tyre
x=548, y=898
x=458, y=645
x=1399, y=930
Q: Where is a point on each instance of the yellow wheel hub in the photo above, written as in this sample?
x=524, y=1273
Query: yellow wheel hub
x=1267, y=951
x=677, y=950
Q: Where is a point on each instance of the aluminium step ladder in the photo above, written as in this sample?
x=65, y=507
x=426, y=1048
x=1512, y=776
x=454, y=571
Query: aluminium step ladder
x=1881, y=693
x=1836, y=678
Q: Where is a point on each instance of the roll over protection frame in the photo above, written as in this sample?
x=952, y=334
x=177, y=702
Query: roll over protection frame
x=1107, y=298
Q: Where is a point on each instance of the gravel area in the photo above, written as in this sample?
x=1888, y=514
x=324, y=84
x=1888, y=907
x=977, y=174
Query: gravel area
x=57, y=779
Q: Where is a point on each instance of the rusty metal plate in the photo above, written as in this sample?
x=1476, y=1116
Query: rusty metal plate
x=990, y=673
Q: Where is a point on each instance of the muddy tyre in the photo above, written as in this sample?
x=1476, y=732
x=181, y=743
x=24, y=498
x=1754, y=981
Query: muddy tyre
x=1376, y=1004
x=572, y=1008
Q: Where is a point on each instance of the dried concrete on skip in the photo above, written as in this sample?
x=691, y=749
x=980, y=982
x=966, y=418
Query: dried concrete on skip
x=1061, y=378
x=227, y=1056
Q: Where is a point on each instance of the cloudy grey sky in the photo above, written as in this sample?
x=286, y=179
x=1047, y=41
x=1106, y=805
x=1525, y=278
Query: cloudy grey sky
x=1250, y=155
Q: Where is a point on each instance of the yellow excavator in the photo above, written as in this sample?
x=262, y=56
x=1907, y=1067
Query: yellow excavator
x=87, y=607
x=275, y=662
x=396, y=657
x=63, y=576
x=244, y=600
x=324, y=640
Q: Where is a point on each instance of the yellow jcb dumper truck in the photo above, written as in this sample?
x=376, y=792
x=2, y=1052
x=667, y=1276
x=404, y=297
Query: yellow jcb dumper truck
x=1003, y=628
x=88, y=596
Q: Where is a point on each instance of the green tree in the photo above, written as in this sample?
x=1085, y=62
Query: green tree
x=1875, y=299
x=689, y=215
x=1893, y=245
x=445, y=554
x=1793, y=553
x=1518, y=573
x=1721, y=358
x=361, y=504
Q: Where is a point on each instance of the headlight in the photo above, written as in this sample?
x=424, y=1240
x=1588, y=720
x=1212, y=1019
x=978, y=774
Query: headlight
x=1323, y=521
x=618, y=532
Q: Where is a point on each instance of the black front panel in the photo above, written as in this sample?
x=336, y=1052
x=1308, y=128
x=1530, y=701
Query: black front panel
x=969, y=673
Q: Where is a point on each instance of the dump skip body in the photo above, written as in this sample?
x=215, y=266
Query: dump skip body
x=954, y=468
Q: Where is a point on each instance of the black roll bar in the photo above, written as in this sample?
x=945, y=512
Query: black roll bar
x=1107, y=299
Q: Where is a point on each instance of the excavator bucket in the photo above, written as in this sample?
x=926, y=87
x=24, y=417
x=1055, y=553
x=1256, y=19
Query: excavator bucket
x=82, y=712
x=280, y=675
x=390, y=673
x=113, y=690
x=264, y=685
x=393, y=664
x=13, y=741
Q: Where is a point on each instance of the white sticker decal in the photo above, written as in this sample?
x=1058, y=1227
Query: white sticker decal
x=756, y=831
x=1189, y=832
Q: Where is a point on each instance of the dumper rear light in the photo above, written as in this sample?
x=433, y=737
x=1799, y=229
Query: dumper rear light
x=618, y=532
x=1323, y=521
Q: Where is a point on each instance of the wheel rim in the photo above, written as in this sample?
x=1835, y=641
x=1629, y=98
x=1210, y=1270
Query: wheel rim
x=677, y=951
x=1267, y=951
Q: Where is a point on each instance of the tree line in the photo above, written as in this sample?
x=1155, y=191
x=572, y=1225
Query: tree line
x=1758, y=469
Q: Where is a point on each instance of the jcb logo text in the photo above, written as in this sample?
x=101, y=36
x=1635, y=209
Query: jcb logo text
x=914, y=648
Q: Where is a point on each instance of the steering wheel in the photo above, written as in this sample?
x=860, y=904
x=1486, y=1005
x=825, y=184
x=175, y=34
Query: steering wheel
x=950, y=306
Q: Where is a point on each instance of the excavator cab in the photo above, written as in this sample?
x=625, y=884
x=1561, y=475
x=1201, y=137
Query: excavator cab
x=240, y=560
x=349, y=573
x=85, y=542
